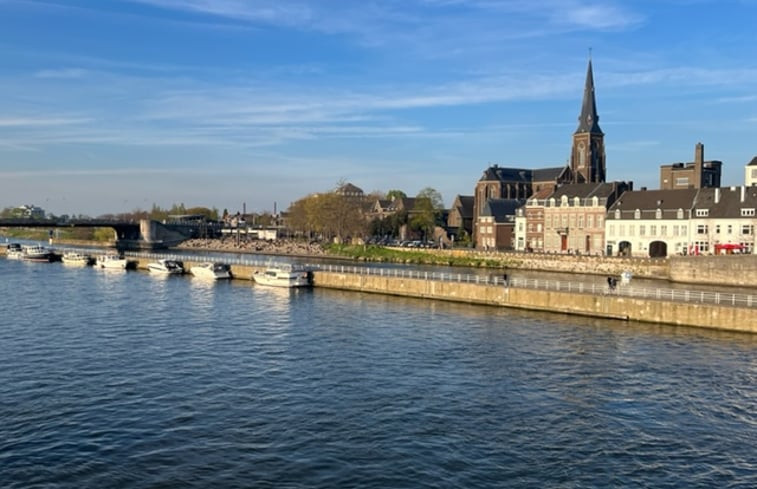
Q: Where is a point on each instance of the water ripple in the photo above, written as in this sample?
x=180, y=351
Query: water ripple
x=130, y=381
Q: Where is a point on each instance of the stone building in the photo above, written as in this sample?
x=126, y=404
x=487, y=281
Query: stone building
x=460, y=218
x=496, y=224
x=696, y=174
x=750, y=175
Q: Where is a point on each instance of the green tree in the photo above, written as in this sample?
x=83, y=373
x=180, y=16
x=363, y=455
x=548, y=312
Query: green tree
x=427, y=211
x=395, y=194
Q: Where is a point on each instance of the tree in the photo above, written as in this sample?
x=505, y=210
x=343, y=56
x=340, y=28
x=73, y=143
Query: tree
x=427, y=211
x=396, y=194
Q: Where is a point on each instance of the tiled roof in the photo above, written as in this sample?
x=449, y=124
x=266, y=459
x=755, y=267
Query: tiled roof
x=501, y=209
x=648, y=201
x=729, y=203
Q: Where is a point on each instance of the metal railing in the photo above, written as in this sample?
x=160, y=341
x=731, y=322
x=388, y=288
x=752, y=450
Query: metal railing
x=594, y=288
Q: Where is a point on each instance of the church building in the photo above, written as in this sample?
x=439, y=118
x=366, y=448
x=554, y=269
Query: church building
x=587, y=165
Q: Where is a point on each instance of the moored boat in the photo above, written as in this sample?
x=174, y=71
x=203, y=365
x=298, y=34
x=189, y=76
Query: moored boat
x=37, y=253
x=283, y=276
x=77, y=258
x=166, y=266
x=212, y=271
x=112, y=262
x=14, y=251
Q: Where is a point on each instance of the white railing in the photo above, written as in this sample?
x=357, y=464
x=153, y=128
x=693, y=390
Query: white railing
x=595, y=288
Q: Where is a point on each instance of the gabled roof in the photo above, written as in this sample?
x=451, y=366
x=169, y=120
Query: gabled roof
x=464, y=203
x=548, y=174
x=522, y=175
x=753, y=162
x=501, y=209
x=648, y=201
x=349, y=189
x=729, y=203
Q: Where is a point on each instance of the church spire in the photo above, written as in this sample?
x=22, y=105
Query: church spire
x=588, y=121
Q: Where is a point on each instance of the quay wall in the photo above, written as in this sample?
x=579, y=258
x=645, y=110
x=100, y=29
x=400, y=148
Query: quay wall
x=603, y=306
x=727, y=270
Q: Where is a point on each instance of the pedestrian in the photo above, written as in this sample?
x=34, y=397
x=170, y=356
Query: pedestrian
x=504, y=279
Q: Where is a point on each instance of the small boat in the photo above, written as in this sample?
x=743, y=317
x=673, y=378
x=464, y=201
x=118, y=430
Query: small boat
x=284, y=276
x=112, y=262
x=14, y=251
x=77, y=258
x=37, y=253
x=209, y=270
x=166, y=266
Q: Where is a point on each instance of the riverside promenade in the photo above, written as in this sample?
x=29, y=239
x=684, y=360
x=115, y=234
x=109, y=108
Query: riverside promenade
x=703, y=309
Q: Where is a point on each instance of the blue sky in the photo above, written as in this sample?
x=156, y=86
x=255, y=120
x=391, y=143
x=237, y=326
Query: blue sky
x=113, y=105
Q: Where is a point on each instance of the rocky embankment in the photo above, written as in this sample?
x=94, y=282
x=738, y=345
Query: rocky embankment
x=277, y=247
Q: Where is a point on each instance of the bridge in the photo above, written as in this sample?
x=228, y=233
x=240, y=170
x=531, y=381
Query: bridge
x=130, y=235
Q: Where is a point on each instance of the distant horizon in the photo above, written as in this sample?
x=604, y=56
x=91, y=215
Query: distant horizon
x=117, y=105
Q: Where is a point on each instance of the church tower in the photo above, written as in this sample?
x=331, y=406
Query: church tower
x=587, y=159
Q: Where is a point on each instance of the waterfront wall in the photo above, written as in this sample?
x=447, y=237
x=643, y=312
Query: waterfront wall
x=727, y=270
x=608, y=306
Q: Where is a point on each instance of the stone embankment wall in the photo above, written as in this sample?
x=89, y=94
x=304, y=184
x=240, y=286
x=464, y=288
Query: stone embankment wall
x=727, y=270
x=608, y=306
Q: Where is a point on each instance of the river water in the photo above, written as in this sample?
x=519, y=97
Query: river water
x=128, y=380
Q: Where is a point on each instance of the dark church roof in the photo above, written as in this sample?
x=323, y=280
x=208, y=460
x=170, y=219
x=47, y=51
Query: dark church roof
x=753, y=162
x=588, y=121
x=521, y=175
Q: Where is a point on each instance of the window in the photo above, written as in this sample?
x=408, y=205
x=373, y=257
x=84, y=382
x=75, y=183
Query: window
x=679, y=214
x=702, y=212
x=653, y=230
x=590, y=221
x=637, y=214
x=747, y=229
x=717, y=228
x=642, y=230
x=538, y=228
x=576, y=202
x=682, y=181
x=520, y=227
x=617, y=213
x=702, y=229
x=631, y=230
x=595, y=201
x=564, y=200
x=747, y=212
x=530, y=227
x=611, y=230
x=663, y=230
x=730, y=229
x=622, y=230
x=600, y=221
x=580, y=222
x=564, y=221
x=658, y=214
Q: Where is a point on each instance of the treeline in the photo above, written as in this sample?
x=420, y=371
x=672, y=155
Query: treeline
x=335, y=216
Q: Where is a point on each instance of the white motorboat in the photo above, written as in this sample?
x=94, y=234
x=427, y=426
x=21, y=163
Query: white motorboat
x=166, y=267
x=37, y=253
x=283, y=276
x=14, y=251
x=77, y=258
x=213, y=271
x=112, y=262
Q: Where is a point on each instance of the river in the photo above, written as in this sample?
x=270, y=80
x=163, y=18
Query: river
x=129, y=380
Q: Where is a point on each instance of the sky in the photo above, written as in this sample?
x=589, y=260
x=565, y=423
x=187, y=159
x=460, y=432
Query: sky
x=110, y=106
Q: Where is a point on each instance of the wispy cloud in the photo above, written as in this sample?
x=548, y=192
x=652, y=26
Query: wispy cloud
x=63, y=73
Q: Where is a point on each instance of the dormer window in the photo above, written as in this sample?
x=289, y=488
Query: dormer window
x=564, y=200
x=747, y=213
x=637, y=214
x=679, y=214
x=702, y=212
x=595, y=201
x=617, y=213
x=576, y=202
x=658, y=214
x=552, y=202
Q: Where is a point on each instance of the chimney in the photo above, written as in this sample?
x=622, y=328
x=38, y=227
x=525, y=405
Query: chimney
x=699, y=154
x=743, y=190
x=717, y=195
